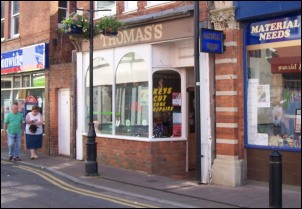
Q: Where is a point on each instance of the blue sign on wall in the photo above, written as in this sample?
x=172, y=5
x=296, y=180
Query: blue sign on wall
x=212, y=41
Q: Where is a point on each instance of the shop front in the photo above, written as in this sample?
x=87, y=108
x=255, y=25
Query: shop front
x=273, y=95
x=22, y=75
x=143, y=98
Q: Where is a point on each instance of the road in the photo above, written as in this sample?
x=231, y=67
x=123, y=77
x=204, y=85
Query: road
x=23, y=186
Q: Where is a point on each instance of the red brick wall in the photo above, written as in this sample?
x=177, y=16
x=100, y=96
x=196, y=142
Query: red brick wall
x=236, y=68
x=163, y=158
x=59, y=76
x=38, y=24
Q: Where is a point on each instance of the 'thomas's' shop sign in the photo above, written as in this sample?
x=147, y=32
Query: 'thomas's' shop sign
x=274, y=30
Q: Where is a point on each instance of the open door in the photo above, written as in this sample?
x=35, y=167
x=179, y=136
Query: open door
x=191, y=125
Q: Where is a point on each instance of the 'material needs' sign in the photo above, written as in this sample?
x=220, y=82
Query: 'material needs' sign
x=29, y=58
x=275, y=30
x=212, y=41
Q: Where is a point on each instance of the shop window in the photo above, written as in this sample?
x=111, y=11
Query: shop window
x=166, y=104
x=132, y=97
x=274, y=96
x=5, y=105
x=17, y=93
x=102, y=96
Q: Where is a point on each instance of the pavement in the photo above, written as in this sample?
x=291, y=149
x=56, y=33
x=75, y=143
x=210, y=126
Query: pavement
x=161, y=189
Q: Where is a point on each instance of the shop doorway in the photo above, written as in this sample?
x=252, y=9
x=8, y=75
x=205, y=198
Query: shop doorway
x=64, y=122
x=191, y=130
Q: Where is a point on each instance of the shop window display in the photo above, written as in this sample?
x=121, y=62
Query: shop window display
x=132, y=97
x=102, y=96
x=166, y=104
x=274, y=96
x=15, y=89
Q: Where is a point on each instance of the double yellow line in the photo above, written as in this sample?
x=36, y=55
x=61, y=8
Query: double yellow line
x=68, y=187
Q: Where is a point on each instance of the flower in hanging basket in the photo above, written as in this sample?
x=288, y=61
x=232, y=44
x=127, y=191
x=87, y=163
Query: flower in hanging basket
x=78, y=26
x=109, y=26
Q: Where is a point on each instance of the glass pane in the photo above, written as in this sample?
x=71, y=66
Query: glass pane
x=38, y=79
x=105, y=4
x=274, y=97
x=63, y=4
x=132, y=97
x=5, y=105
x=16, y=7
x=25, y=80
x=6, y=83
x=61, y=15
x=166, y=104
x=17, y=82
x=102, y=96
x=16, y=24
x=2, y=9
x=2, y=29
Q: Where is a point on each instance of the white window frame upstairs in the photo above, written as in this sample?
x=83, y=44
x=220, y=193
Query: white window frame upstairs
x=100, y=14
x=157, y=3
x=15, y=34
x=2, y=19
x=130, y=6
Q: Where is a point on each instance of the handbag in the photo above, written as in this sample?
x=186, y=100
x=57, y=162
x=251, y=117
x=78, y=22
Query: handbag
x=33, y=128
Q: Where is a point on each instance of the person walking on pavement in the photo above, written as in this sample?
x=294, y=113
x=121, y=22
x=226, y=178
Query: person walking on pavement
x=34, y=131
x=13, y=124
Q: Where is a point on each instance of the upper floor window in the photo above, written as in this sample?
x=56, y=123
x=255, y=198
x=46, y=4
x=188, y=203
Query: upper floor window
x=130, y=6
x=2, y=19
x=62, y=11
x=153, y=3
x=100, y=5
x=15, y=18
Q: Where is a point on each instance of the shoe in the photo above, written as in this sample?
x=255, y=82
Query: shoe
x=17, y=159
x=36, y=156
x=32, y=158
x=10, y=158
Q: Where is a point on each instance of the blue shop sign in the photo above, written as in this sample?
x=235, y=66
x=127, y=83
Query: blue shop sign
x=29, y=58
x=274, y=30
x=211, y=41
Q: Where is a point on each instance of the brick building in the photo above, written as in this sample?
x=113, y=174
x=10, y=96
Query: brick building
x=145, y=83
x=31, y=32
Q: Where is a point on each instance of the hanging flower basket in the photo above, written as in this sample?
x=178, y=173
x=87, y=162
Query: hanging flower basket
x=109, y=33
x=73, y=29
x=109, y=26
x=78, y=27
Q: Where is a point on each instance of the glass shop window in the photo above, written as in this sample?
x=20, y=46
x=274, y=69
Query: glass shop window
x=274, y=96
x=166, y=104
x=132, y=97
x=102, y=96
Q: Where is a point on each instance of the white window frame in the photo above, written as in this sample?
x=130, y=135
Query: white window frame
x=157, y=3
x=2, y=18
x=100, y=14
x=129, y=6
x=13, y=16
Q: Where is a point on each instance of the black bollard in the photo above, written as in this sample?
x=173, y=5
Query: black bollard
x=275, y=180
